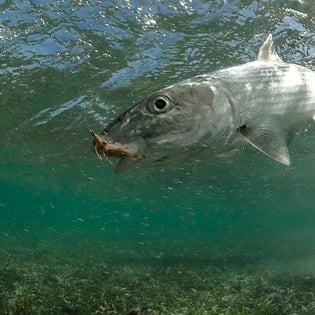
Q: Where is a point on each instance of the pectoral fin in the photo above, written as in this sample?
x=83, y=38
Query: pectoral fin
x=266, y=136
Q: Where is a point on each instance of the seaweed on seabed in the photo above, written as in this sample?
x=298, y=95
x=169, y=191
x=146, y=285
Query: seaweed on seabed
x=18, y=307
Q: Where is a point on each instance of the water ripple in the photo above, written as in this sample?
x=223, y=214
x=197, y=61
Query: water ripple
x=66, y=64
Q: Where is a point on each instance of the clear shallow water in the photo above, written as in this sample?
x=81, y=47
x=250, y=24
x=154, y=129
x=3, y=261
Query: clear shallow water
x=71, y=66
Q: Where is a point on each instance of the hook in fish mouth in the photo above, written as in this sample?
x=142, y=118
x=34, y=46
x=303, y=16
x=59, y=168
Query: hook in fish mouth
x=105, y=147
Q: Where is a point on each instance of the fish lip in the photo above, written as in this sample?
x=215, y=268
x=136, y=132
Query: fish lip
x=161, y=159
x=104, y=146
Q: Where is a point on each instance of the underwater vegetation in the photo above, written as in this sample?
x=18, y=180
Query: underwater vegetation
x=98, y=282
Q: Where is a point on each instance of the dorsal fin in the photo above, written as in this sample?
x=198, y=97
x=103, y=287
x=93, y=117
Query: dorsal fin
x=267, y=51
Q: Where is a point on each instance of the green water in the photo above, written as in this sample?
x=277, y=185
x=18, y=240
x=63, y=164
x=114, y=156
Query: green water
x=214, y=237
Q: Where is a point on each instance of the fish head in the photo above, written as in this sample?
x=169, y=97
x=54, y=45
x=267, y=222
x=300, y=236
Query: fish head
x=174, y=122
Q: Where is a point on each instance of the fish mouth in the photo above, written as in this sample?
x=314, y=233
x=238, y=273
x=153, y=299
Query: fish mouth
x=105, y=147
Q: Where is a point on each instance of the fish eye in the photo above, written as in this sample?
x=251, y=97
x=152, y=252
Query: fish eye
x=160, y=104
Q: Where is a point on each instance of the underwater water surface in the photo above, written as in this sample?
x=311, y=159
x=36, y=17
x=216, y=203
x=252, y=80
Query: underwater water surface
x=211, y=237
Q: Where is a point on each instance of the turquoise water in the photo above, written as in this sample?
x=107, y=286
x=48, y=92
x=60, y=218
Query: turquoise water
x=216, y=237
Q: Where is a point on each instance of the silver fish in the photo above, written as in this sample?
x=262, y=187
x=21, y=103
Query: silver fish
x=262, y=103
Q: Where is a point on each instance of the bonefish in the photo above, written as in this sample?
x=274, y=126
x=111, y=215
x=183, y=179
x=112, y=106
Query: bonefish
x=258, y=103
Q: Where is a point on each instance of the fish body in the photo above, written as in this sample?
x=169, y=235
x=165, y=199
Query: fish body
x=262, y=103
